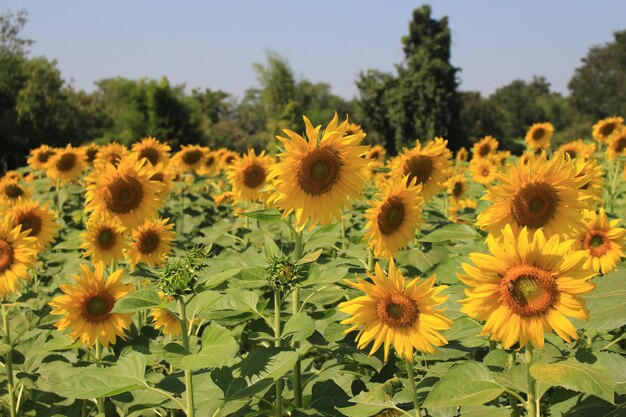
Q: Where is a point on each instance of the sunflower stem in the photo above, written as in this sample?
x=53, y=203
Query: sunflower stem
x=57, y=191
x=295, y=305
x=98, y=357
x=279, y=381
x=412, y=387
x=185, y=338
x=614, y=184
x=343, y=233
x=532, y=404
x=510, y=363
x=8, y=360
x=182, y=208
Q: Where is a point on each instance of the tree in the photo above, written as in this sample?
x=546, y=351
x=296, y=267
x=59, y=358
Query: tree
x=10, y=27
x=598, y=87
x=421, y=101
x=375, y=90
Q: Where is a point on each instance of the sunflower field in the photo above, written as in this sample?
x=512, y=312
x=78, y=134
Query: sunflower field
x=316, y=278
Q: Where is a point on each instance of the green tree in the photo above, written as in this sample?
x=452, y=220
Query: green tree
x=598, y=87
x=375, y=90
x=11, y=24
x=479, y=116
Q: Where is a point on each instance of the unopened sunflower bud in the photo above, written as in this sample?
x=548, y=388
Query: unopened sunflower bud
x=283, y=273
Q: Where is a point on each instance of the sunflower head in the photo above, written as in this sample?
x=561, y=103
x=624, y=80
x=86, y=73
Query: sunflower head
x=317, y=177
x=539, y=135
x=462, y=156
x=211, y=165
x=87, y=304
x=151, y=149
x=17, y=254
x=578, y=149
x=12, y=192
x=545, y=194
x=179, y=277
x=37, y=220
x=190, y=158
x=38, y=159
x=151, y=243
x=104, y=240
x=486, y=147
x=91, y=152
x=394, y=312
x=428, y=166
x=484, y=170
x=526, y=287
x=603, y=130
x=67, y=164
x=457, y=187
x=460, y=206
x=603, y=239
x=283, y=273
x=377, y=153
x=113, y=154
x=617, y=143
x=248, y=175
x=125, y=191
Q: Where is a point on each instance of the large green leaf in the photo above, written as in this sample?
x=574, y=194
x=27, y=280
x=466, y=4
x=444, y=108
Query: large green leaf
x=451, y=233
x=138, y=300
x=299, y=327
x=607, y=303
x=218, y=348
x=267, y=215
x=576, y=376
x=615, y=364
x=85, y=383
x=470, y=383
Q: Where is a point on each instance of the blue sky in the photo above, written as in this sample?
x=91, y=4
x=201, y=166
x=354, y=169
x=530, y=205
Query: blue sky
x=213, y=44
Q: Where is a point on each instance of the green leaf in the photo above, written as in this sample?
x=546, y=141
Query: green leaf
x=327, y=395
x=615, y=364
x=607, y=302
x=271, y=249
x=299, y=327
x=470, y=383
x=482, y=411
x=451, y=233
x=85, y=383
x=137, y=300
x=575, y=376
x=211, y=280
x=268, y=215
x=310, y=257
x=218, y=348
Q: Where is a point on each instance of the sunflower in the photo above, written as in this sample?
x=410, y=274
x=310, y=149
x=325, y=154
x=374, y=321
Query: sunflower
x=113, y=153
x=539, y=135
x=393, y=217
x=223, y=198
x=166, y=320
x=37, y=220
x=317, y=180
x=227, y=158
x=125, y=191
x=189, y=158
x=485, y=147
x=526, y=287
x=594, y=178
x=603, y=130
x=247, y=175
x=426, y=165
x=151, y=149
x=151, y=243
x=91, y=152
x=211, y=165
x=17, y=254
x=501, y=157
x=39, y=157
x=459, y=205
x=394, y=311
x=348, y=128
x=12, y=192
x=104, y=240
x=603, y=239
x=617, y=144
x=461, y=156
x=484, y=170
x=376, y=153
x=578, y=149
x=87, y=303
x=66, y=165
x=12, y=175
x=163, y=174
x=545, y=194
x=457, y=187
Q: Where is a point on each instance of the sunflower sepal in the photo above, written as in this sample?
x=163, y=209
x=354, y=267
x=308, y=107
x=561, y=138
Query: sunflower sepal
x=179, y=277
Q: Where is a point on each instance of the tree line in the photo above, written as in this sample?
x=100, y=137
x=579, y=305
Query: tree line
x=420, y=99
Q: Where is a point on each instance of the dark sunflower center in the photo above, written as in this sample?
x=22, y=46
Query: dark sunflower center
x=229, y=159
x=44, y=156
x=210, y=160
x=66, y=162
x=253, y=175
x=571, y=153
x=150, y=154
x=391, y=215
x=419, y=167
x=528, y=290
x=97, y=307
x=484, y=150
x=123, y=195
x=318, y=171
x=538, y=133
x=157, y=176
x=13, y=191
x=30, y=221
x=620, y=144
x=7, y=255
x=192, y=157
x=538, y=151
x=148, y=242
x=458, y=189
x=484, y=171
x=607, y=129
x=597, y=242
x=114, y=158
x=397, y=310
x=534, y=205
x=374, y=155
x=106, y=238
x=91, y=154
